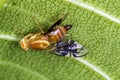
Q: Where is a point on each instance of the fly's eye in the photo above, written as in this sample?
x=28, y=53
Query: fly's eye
x=24, y=44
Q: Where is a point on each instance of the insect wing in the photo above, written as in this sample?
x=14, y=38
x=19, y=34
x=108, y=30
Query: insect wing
x=81, y=50
x=58, y=22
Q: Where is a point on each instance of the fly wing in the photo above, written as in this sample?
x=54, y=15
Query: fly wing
x=58, y=22
x=81, y=50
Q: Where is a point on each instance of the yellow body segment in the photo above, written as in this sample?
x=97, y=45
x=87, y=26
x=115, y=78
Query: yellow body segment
x=35, y=41
x=39, y=44
x=57, y=34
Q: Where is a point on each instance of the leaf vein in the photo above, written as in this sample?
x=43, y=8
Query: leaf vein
x=95, y=68
x=95, y=10
x=8, y=37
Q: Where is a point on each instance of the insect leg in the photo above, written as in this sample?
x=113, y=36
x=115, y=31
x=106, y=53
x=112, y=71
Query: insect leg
x=17, y=30
x=27, y=36
x=36, y=22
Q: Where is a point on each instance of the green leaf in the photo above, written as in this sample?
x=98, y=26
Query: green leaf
x=97, y=28
x=2, y=2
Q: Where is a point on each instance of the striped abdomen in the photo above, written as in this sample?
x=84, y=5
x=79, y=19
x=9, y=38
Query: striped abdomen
x=57, y=34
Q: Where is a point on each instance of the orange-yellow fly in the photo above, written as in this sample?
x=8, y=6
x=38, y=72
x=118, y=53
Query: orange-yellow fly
x=43, y=39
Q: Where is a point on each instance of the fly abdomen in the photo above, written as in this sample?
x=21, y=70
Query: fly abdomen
x=57, y=34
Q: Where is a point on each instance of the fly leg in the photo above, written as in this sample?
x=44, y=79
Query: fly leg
x=36, y=22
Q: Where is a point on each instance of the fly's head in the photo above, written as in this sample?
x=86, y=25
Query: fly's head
x=24, y=42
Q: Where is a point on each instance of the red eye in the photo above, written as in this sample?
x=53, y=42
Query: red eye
x=23, y=44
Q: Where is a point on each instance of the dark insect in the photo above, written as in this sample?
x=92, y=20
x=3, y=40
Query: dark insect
x=70, y=48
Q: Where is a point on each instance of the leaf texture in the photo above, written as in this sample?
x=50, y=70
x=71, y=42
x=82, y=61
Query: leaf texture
x=97, y=33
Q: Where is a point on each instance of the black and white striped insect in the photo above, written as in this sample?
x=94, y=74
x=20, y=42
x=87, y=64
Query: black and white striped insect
x=70, y=48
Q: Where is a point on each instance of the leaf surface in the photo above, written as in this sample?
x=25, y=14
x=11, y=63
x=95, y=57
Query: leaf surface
x=97, y=33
